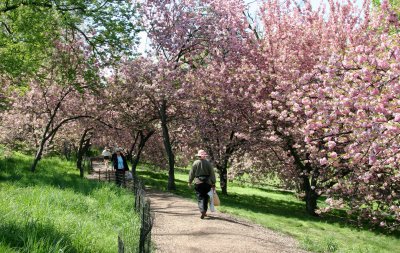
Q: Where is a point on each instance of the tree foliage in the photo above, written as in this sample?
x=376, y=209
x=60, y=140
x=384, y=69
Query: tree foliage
x=28, y=29
x=310, y=95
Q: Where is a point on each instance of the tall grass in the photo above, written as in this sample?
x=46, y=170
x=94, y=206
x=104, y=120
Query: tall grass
x=54, y=210
x=282, y=211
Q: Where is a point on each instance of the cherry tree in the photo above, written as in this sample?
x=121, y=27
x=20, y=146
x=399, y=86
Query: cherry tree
x=282, y=59
x=316, y=71
x=56, y=96
x=219, y=114
x=154, y=152
x=79, y=134
x=152, y=97
x=4, y=91
x=354, y=129
x=182, y=34
x=133, y=109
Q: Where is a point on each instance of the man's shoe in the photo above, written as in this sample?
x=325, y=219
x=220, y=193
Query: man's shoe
x=203, y=214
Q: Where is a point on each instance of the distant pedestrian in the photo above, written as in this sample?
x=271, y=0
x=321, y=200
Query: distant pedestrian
x=202, y=173
x=106, y=156
x=120, y=166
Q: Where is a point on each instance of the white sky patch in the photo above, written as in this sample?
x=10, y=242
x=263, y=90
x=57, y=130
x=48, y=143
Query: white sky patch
x=143, y=43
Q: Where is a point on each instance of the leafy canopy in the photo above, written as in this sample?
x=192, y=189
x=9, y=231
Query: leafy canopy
x=29, y=28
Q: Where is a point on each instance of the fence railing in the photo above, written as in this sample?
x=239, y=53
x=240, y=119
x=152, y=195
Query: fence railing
x=141, y=204
x=142, y=207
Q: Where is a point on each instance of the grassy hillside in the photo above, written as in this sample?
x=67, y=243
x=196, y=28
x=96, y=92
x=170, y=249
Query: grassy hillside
x=53, y=210
x=283, y=212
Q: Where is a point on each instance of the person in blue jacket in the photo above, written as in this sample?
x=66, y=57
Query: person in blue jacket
x=120, y=165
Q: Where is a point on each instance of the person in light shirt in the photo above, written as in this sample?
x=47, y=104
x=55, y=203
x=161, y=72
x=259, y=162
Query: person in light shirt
x=106, y=156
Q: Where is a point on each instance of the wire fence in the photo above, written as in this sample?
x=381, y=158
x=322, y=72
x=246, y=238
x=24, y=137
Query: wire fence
x=141, y=204
x=142, y=207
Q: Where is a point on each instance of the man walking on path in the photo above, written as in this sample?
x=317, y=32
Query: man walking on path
x=203, y=175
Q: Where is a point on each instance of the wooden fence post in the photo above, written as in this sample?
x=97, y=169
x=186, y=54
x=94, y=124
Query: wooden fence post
x=120, y=245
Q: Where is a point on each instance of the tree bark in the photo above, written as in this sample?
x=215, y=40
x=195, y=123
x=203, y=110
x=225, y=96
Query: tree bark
x=223, y=179
x=84, y=144
x=47, y=133
x=39, y=152
x=310, y=196
x=51, y=129
x=309, y=181
x=130, y=152
x=38, y=156
x=143, y=139
x=67, y=150
x=222, y=164
x=223, y=170
x=167, y=145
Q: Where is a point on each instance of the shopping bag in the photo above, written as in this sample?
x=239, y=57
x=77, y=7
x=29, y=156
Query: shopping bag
x=128, y=175
x=211, y=194
x=216, y=199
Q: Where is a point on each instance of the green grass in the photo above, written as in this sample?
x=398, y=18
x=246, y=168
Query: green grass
x=54, y=210
x=282, y=211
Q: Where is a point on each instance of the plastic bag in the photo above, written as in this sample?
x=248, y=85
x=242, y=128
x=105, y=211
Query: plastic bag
x=211, y=194
x=129, y=175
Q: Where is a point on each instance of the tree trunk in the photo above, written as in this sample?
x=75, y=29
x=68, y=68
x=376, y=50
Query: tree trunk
x=86, y=147
x=79, y=165
x=83, y=148
x=135, y=162
x=46, y=134
x=223, y=176
x=38, y=155
x=130, y=152
x=311, y=203
x=223, y=179
x=222, y=165
x=36, y=160
x=129, y=156
x=79, y=153
x=142, y=143
x=167, y=146
x=310, y=197
x=67, y=150
x=309, y=187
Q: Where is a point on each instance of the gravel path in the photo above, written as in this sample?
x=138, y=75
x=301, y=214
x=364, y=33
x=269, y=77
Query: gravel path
x=178, y=228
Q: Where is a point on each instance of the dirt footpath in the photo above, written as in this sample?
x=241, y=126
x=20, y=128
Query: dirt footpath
x=179, y=229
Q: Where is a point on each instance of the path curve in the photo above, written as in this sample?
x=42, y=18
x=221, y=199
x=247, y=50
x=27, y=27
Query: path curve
x=178, y=228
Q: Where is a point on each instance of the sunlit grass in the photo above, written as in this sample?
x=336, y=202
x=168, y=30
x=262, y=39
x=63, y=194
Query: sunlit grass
x=54, y=210
x=282, y=211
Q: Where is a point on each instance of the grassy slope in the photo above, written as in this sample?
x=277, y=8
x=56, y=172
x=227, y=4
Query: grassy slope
x=53, y=209
x=281, y=211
